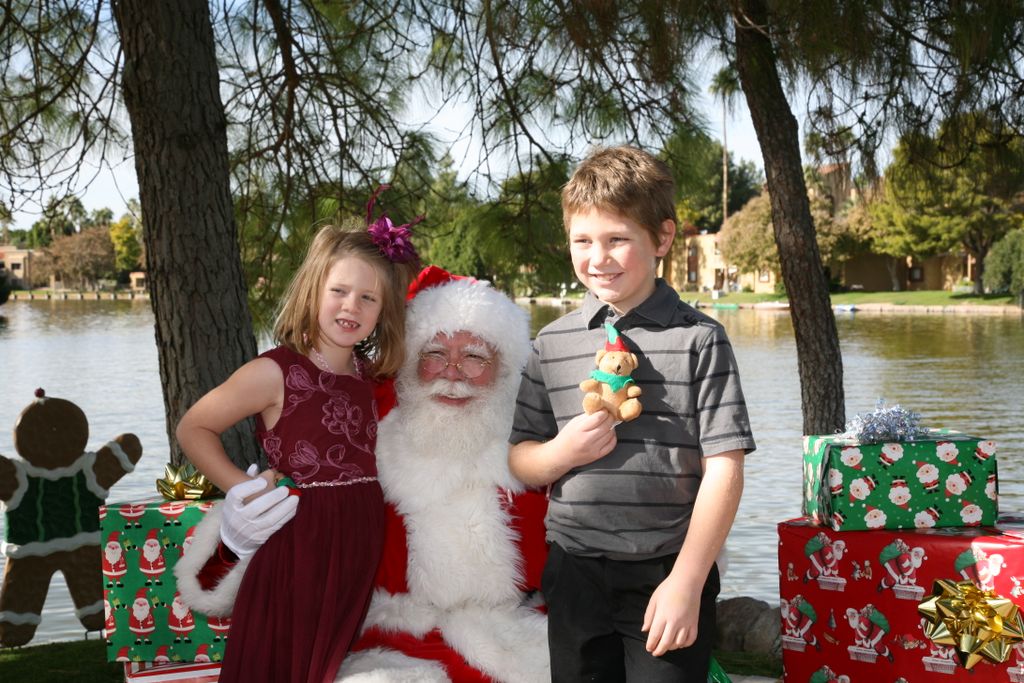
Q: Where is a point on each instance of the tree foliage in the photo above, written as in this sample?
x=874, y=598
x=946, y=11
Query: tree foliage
x=126, y=236
x=80, y=260
x=1004, y=267
x=696, y=163
x=969, y=199
x=747, y=239
x=314, y=95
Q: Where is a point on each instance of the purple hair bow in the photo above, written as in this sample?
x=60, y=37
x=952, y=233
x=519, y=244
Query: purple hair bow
x=394, y=241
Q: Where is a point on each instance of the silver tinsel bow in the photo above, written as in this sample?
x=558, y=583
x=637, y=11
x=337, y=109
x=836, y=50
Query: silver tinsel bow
x=884, y=424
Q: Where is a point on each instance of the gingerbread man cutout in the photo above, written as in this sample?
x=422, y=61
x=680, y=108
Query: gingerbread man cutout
x=51, y=499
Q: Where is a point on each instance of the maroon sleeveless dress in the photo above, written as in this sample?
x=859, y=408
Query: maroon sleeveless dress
x=306, y=591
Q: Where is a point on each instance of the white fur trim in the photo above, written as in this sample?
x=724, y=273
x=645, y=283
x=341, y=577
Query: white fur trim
x=205, y=539
x=475, y=307
x=381, y=665
x=400, y=612
x=509, y=645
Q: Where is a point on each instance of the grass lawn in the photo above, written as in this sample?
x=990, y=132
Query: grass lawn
x=84, y=661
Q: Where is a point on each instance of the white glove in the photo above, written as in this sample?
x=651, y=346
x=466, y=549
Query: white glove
x=246, y=527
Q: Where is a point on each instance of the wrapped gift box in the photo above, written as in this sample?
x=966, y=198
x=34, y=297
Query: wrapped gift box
x=150, y=672
x=146, y=620
x=944, y=479
x=849, y=600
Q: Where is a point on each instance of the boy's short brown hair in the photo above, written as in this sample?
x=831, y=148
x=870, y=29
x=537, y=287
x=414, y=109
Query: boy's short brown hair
x=623, y=180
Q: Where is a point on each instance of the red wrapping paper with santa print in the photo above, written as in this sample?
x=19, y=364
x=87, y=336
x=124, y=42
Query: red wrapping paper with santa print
x=849, y=600
x=942, y=478
x=146, y=672
x=146, y=620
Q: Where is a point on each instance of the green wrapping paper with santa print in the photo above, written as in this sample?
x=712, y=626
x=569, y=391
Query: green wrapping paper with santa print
x=146, y=620
x=941, y=479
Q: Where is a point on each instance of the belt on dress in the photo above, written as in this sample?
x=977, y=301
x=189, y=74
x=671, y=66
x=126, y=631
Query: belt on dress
x=345, y=482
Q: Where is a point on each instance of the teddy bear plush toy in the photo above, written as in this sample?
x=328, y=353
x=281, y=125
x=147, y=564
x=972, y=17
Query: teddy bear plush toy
x=610, y=387
x=52, y=497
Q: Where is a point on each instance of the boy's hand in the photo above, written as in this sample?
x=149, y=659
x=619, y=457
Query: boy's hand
x=671, y=618
x=585, y=438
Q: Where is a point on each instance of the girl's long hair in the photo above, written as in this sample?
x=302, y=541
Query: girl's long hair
x=296, y=326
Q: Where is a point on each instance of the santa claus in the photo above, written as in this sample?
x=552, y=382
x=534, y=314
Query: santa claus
x=114, y=565
x=140, y=619
x=151, y=559
x=464, y=541
x=180, y=620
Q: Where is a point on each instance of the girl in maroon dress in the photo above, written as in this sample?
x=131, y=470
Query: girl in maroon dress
x=340, y=327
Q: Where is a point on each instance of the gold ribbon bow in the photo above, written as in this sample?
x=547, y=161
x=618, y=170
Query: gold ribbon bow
x=184, y=483
x=978, y=623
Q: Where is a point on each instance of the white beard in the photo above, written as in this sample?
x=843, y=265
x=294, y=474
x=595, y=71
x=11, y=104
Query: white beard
x=113, y=554
x=454, y=445
x=442, y=466
x=141, y=612
x=151, y=551
x=179, y=609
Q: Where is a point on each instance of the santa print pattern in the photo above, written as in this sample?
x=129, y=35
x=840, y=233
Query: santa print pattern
x=145, y=617
x=849, y=600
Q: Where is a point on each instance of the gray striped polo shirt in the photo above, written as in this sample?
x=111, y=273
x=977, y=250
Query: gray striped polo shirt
x=635, y=502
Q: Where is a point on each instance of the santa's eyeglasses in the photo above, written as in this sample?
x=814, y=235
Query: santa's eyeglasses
x=471, y=366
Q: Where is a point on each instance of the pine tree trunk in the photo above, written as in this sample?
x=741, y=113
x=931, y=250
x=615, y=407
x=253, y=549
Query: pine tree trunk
x=817, y=340
x=171, y=90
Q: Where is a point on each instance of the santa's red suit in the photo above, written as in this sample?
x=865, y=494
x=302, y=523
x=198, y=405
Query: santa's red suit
x=464, y=544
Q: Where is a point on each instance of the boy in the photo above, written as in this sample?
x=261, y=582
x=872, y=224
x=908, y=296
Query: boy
x=638, y=511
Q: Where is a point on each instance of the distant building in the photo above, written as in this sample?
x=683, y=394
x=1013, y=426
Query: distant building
x=697, y=263
x=699, y=266
x=137, y=281
x=18, y=264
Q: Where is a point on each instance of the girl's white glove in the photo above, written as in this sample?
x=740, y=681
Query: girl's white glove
x=244, y=527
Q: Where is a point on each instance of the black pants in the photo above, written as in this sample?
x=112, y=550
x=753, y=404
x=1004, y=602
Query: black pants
x=596, y=609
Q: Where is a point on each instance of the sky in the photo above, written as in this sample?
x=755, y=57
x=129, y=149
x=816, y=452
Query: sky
x=112, y=188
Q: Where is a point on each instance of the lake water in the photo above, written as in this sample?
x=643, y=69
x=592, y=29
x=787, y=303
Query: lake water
x=961, y=372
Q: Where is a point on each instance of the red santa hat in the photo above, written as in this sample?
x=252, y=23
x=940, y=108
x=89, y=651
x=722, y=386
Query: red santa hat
x=122, y=654
x=151, y=536
x=114, y=537
x=141, y=593
x=614, y=342
x=442, y=302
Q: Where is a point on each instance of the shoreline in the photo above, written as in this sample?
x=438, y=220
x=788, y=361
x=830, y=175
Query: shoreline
x=78, y=296
x=773, y=306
